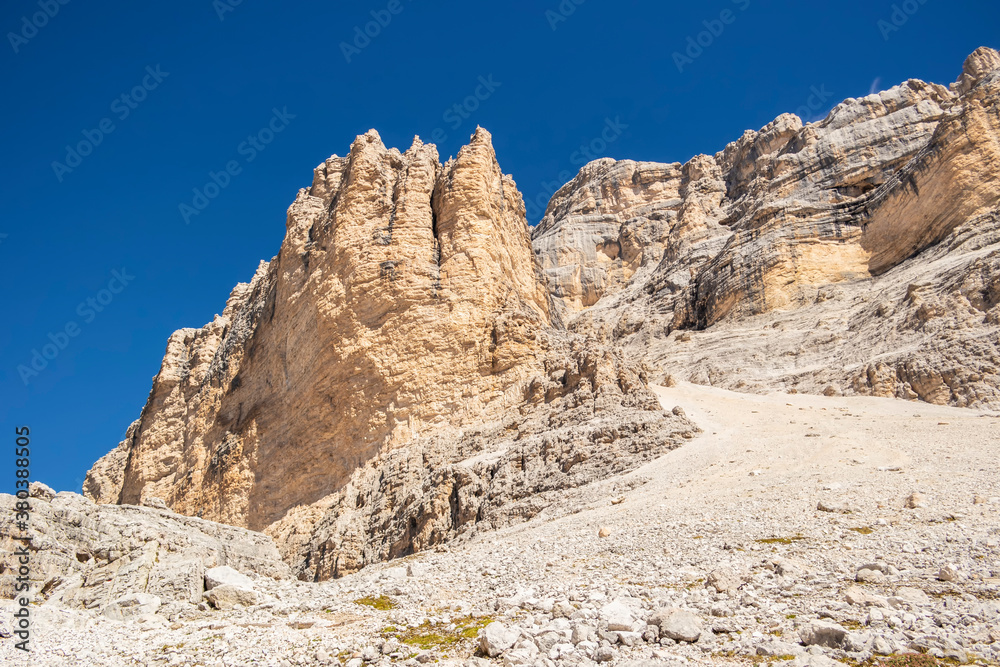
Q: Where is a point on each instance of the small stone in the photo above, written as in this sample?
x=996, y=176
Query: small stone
x=821, y=633
x=562, y=609
x=862, y=598
x=228, y=596
x=582, y=632
x=677, y=624
x=219, y=576
x=916, y=501
x=912, y=595
x=867, y=576
x=856, y=642
x=979, y=500
x=497, y=638
x=788, y=568
x=425, y=657
x=604, y=532
x=723, y=580
x=949, y=572
x=525, y=653
x=605, y=654
x=619, y=617
x=626, y=638
x=720, y=609
x=832, y=507
x=774, y=649
x=881, y=646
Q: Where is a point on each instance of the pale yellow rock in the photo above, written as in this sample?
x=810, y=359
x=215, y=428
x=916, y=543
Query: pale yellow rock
x=333, y=401
x=415, y=364
x=785, y=261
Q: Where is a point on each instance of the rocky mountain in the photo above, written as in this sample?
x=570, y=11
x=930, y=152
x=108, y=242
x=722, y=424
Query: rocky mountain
x=417, y=363
x=391, y=379
x=855, y=255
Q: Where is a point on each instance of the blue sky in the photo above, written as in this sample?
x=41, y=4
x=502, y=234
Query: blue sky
x=163, y=95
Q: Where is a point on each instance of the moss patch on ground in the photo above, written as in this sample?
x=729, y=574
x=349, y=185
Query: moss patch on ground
x=440, y=635
x=382, y=603
x=780, y=540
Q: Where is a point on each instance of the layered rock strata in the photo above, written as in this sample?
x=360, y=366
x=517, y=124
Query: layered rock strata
x=403, y=330
x=853, y=255
x=416, y=364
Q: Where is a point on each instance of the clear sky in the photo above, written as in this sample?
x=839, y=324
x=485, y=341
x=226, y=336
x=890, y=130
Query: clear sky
x=115, y=113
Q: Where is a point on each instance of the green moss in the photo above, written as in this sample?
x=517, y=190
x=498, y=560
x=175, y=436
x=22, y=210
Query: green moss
x=911, y=660
x=382, y=603
x=904, y=660
x=864, y=530
x=435, y=636
x=780, y=540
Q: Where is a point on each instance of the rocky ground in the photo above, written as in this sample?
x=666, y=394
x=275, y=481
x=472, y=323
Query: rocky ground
x=796, y=528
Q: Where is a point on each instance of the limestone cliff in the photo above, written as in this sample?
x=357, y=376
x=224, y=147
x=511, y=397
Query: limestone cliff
x=339, y=386
x=854, y=255
x=416, y=364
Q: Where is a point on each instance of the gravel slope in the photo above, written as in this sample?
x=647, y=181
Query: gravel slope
x=726, y=529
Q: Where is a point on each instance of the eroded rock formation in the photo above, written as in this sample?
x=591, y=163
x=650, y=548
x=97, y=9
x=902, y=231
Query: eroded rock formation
x=94, y=556
x=857, y=254
x=392, y=376
x=416, y=364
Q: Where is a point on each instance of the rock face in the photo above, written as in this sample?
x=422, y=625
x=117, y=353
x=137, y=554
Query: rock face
x=391, y=378
x=860, y=252
x=125, y=560
x=404, y=299
x=416, y=364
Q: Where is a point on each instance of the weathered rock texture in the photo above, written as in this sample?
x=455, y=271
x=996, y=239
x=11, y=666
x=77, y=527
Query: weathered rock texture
x=390, y=379
x=858, y=254
x=94, y=556
x=413, y=366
